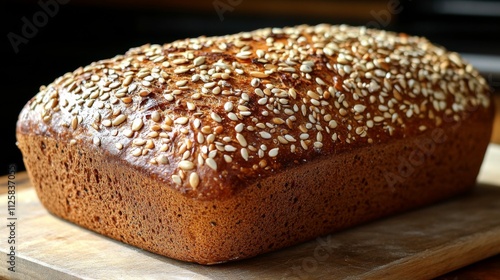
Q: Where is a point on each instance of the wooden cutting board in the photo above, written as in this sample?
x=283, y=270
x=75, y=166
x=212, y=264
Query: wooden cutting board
x=420, y=244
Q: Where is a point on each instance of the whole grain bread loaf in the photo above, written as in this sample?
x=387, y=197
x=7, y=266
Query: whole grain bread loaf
x=221, y=148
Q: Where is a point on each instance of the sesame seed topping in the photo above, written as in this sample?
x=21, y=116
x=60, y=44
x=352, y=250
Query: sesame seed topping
x=194, y=180
x=181, y=120
x=228, y=106
x=215, y=117
x=186, y=165
x=258, y=74
x=128, y=133
x=210, y=162
x=119, y=120
x=265, y=135
x=163, y=159
x=97, y=141
x=241, y=139
x=199, y=61
x=185, y=98
x=137, y=152
x=239, y=127
x=273, y=152
x=305, y=68
x=229, y=148
x=137, y=124
x=359, y=108
x=177, y=179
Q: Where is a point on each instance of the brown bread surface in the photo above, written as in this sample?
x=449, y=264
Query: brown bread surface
x=222, y=148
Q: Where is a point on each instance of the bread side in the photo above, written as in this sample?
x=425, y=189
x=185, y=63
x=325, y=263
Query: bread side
x=213, y=149
x=86, y=187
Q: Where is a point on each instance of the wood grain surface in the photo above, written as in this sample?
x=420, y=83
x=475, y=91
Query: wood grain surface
x=420, y=244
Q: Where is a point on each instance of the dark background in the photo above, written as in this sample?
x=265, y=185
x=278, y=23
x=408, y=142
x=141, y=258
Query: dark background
x=80, y=32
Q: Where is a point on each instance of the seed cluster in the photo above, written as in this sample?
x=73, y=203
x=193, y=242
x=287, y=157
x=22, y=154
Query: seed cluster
x=205, y=111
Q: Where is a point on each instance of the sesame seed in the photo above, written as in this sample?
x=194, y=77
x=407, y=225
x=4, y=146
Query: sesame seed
x=138, y=142
x=181, y=70
x=137, y=124
x=278, y=121
x=359, y=108
x=243, y=55
x=255, y=82
x=319, y=81
x=229, y=148
x=97, y=141
x=136, y=152
x=186, y=165
x=262, y=101
x=114, y=85
x=239, y=127
x=282, y=140
x=232, y=116
x=128, y=133
x=228, y=106
x=199, y=61
x=318, y=145
x=127, y=81
x=258, y=74
x=177, y=179
x=179, y=61
x=305, y=68
x=209, y=85
x=290, y=138
x=181, y=83
x=241, y=139
x=119, y=120
x=286, y=69
x=210, y=162
x=273, y=152
x=194, y=180
x=210, y=138
x=244, y=154
x=265, y=135
x=215, y=117
x=259, y=92
x=206, y=129
x=212, y=153
x=106, y=123
x=74, y=123
x=181, y=120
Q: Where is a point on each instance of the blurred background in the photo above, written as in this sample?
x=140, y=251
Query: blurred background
x=45, y=39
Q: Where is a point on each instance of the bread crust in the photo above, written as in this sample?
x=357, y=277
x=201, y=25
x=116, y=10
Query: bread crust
x=316, y=142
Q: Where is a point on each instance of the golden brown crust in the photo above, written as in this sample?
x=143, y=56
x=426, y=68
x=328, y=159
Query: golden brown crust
x=213, y=149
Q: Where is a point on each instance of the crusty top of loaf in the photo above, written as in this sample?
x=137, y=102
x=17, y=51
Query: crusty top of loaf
x=210, y=115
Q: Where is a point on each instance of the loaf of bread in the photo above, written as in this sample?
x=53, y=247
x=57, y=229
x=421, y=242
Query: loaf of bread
x=215, y=149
